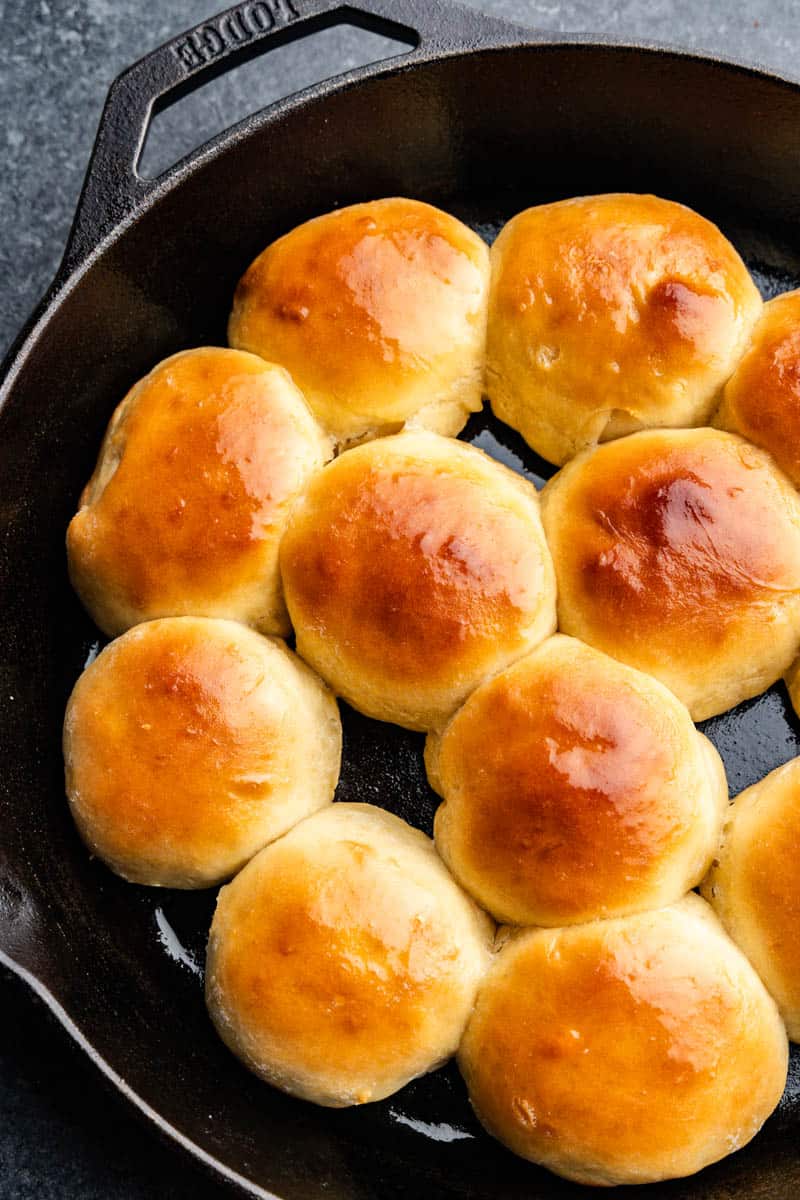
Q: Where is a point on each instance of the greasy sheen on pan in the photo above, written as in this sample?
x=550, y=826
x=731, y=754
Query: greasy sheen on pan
x=755, y=884
x=609, y=314
x=379, y=313
x=189, y=743
x=413, y=567
x=575, y=788
x=678, y=552
x=185, y=510
x=625, y=1051
x=761, y=400
x=344, y=960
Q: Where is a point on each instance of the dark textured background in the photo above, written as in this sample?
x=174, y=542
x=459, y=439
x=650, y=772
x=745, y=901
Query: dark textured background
x=63, y=1134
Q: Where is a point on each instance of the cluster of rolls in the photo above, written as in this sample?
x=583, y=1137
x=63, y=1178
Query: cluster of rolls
x=554, y=652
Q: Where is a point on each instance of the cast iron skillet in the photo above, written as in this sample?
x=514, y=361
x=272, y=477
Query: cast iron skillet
x=478, y=117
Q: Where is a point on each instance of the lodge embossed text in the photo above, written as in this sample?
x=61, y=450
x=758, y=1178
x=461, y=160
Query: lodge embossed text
x=244, y=24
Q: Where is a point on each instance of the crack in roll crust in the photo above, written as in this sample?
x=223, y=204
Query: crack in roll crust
x=192, y=490
x=678, y=552
x=755, y=882
x=190, y=743
x=625, y=1051
x=575, y=788
x=414, y=567
x=378, y=311
x=609, y=314
x=344, y=960
x=761, y=400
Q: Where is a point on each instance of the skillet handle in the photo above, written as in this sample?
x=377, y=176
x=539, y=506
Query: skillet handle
x=113, y=189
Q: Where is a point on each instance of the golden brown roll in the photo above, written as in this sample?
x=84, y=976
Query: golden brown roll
x=413, y=567
x=190, y=743
x=190, y=495
x=678, y=552
x=344, y=960
x=755, y=884
x=762, y=398
x=379, y=313
x=625, y=1051
x=575, y=788
x=610, y=314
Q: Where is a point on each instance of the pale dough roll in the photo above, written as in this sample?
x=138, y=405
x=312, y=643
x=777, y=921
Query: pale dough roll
x=191, y=492
x=344, y=960
x=755, y=883
x=609, y=314
x=379, y=313
x=625, y=1051
x=414, y=567
x=678, y=552
x=575, y=788
x=190, y=743
x=761, y=400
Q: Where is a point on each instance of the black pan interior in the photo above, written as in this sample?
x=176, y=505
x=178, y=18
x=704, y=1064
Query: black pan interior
x=482, y=136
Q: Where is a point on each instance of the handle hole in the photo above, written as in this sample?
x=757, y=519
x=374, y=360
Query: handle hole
x=247, y=87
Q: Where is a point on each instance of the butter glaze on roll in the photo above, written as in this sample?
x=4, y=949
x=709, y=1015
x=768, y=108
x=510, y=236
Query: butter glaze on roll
x=761, y=400
x=755, y=884
x=610, y=314
x=414, y=567
x=187, y=504
x=575, y=788
x=191, y=743
x=379, y=313
x=678, y=552
x=625, y=1051
x=344, y=960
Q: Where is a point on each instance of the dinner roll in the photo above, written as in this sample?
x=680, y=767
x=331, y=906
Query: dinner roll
x=379, y=312
x=413, y=567
x=190, y=743
x=344, y=961
x=755, y=884
x=190, y=495
x=625, y=1051
x=678, y=552
x=610, y=314
x=575, y=788
x=762, y=398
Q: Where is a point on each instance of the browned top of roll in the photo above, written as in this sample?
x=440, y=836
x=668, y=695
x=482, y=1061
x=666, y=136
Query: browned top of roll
x=626, y=1050
x=589, y=255
x=414, y=561
x=360, y=303
x=333, y=940
x=344, y=960
x=174, y=742
x=403, y=548
x=575, y=788
x=198, y=462
x=762, y=398
x=768, y=878
x=673, y=533
x=755, y=882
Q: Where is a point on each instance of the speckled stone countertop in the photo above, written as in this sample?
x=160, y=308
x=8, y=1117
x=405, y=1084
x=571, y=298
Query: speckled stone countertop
x=63, y=1134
